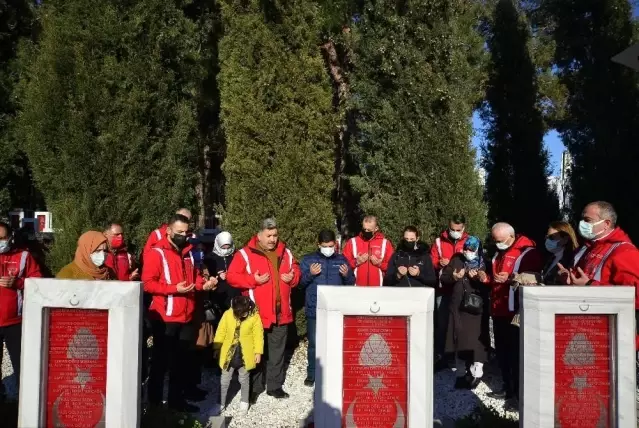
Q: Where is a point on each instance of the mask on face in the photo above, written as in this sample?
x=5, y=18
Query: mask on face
x=553, y=246
x=470, y=255
x=117, y=242
x=502, y=246
x=4, y=247
x=327, y=251
x=367, y=235
x=179, y=241
x=585, y=229
x=98, y=258
x=455, y=234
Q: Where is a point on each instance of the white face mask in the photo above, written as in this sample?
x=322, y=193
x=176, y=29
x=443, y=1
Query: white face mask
x=4, y=247
x=585, y=229
x=327, y=251
x=98, y=258
x=501, y=246
x=470, y=255
x=455, y=234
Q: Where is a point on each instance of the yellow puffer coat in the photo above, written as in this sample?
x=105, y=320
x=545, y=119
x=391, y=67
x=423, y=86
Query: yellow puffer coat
x=251, y=338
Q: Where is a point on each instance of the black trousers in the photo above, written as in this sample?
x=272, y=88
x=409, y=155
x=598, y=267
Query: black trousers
x=11, y=336
x=507, y=350
x=172, y=344
x=269, y=374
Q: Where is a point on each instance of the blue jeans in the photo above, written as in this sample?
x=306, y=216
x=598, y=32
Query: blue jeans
x=311, y=326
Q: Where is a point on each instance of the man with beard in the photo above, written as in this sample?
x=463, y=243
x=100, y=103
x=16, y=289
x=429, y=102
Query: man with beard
x=411, y=265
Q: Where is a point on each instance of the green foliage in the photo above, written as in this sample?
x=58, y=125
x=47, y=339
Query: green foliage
x=156, y=417
x=278, y=119
x=417, y=74
x=515, y=159
x=108, y=114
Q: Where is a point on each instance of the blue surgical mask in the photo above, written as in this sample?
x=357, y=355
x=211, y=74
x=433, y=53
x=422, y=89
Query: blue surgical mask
x=585, y=229
x=4, y=247
x=553, y=246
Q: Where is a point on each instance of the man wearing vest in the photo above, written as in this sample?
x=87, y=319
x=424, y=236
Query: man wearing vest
x=608, y=257
x=171, y=277
x=450, y=242
x=369, y=254
x=118, y=259
x=267, y=269
x=159, y=233
x=515, y=254
x=15, y=266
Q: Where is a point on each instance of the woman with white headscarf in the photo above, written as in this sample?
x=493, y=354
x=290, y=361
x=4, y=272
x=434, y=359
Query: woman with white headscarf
x=218, y=263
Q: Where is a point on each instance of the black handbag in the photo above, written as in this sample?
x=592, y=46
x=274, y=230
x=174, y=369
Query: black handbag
x=472, y=303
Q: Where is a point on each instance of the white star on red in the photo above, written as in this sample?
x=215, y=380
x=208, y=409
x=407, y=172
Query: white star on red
x=375, y=383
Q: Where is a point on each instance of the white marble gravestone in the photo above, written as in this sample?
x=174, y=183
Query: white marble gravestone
x=80, y=353
x=374, y=358
x=577, y=357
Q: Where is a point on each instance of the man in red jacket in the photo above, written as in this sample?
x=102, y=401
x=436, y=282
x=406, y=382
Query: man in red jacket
x=515, y=254
x=118, y=258
x=608, y=256
x=369, y=254
x=160, y=232
x=268, y=270
x=450, y=242
x=172, y=278
x=15, y=266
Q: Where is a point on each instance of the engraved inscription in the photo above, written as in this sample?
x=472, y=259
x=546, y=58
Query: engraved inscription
x=375, y=377
x=76, y=368
x=582, y=371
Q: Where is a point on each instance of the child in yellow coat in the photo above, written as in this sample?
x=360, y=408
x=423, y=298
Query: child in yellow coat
x=239, y=341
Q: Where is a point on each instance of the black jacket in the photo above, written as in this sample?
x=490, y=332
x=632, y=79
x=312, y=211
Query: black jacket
x=224, y=293
x=408, y=257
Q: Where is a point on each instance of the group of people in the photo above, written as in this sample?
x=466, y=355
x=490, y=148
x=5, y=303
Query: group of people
x=238, y=303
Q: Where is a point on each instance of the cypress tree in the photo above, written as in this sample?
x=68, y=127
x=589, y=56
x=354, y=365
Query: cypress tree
x=515, y=159
x=109, y=114
x=599, y=125
x=278, y=119
x=416, y=78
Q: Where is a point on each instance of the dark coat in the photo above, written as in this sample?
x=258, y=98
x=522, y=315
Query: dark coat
x=221, y=297
x=550, y=276
x=411, y=257
x=328, y=276
x=464, y=329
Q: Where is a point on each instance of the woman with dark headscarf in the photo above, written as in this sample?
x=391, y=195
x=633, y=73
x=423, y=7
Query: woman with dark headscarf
x=466, y=273
x=88, y=263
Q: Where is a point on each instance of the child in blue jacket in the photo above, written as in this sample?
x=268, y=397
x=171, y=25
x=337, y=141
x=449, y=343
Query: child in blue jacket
x=323, y=267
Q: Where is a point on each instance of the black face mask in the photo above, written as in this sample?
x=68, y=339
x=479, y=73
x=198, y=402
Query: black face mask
x=408, y=245
x=367, y=235
x=179, y=241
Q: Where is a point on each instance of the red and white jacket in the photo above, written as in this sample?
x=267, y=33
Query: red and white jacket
x=163, y=269
x=11, y=299
x=367, y=274
x=446, y=247
x=521, y=257
x=154, y=237
x=121, y=263
x=249, y=261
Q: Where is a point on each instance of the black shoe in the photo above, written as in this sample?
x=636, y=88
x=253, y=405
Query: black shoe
x=511, y=405
x=499, y=395
x=195, y=394
x=309, y=381
x=462, y=383
x=184, y=407
x=254, y=396
x=474, y=382
x=278, y=393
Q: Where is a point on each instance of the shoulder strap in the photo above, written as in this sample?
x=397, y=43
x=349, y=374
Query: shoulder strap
x=246, y=260
x=23, y=262
x=613, y=247
x=165, y=265
x=384, y=242
x=579, y=255
x=290, y=258
x=354, y=244
x=519, y=259
x=438, y=243
x=158, y=234
x=511, y=290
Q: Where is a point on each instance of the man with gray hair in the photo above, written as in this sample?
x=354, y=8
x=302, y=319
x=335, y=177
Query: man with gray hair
x=515, y=254
x=267, y=271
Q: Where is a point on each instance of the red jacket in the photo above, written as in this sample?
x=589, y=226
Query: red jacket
x=446, y=247
x=154, y=237
x=24, y=266
x=368, y=274
x=521, y=257
x=121, y=263
x=249, y=261
x=164, y=268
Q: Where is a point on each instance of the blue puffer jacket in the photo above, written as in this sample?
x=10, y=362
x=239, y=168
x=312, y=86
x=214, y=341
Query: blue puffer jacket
x=328, y=276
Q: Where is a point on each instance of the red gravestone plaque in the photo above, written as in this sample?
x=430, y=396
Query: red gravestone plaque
x=375, y=382
x=76, y=368
x=583, y=369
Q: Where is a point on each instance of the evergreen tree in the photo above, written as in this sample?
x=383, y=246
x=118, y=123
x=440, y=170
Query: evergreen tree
x=109, y=118
x=515, y=159
x=416, y=78
x=600, y=126
x=278, y=119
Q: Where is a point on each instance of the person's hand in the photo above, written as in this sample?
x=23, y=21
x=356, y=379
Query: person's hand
x=183, y=288
x=579, y=277
x=564, y=274
x=482, y=275
x=316, y=269
x=444, y=262
x=413, y=270
x=134, y=275
x=343, y=270
x=222, y=275
x=459, y=274
x=7, y=281
x=501, y=277
x=287, y=277
x=258, y=358
x=472, y=273
x=261, y=279
x=376, y=261
x=211, y=284
x=401, y=271
x=362, y=258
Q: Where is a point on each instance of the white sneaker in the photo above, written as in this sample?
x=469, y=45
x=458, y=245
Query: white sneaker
x=244, y=407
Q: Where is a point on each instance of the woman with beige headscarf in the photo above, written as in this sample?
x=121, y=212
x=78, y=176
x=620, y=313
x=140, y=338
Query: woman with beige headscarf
x=88, y=263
